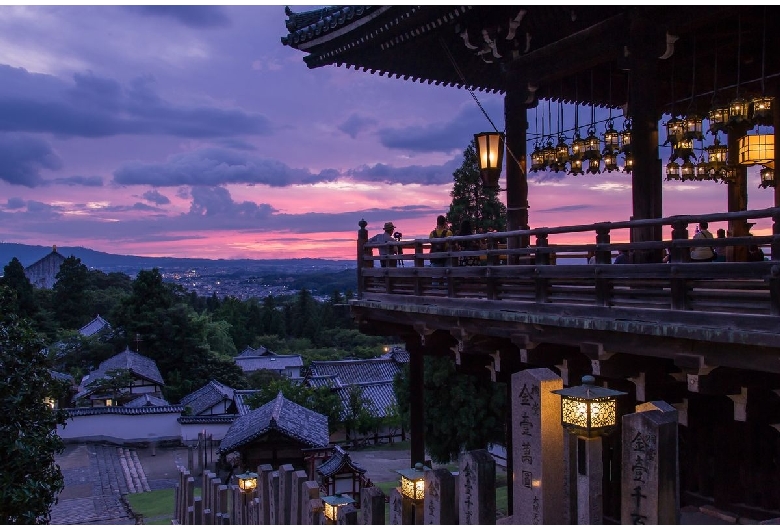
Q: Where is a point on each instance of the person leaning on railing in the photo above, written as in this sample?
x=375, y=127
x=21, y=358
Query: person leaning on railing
x=702, y=254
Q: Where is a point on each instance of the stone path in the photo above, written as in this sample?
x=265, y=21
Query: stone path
x=96, y=478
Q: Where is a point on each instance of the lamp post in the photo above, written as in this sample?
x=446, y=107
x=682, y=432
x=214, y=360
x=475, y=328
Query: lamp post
x=413, y=492
x=490, y=155
x=247, y=482
x=589, y=412
x=333, y=504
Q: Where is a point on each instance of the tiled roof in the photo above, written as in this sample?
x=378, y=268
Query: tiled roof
x=355, y=372
x=147, y=401
x=379, y=395
x=268, y=362
x=283, y=416
x=62, y=377
x=239, y=397
x=125, y=411
x=97, y=324
x=209, y=395
x=322, y=380
x=207, y=420
x=140, y=366
x=339, y=462
x=311, y=24
x=255, y=352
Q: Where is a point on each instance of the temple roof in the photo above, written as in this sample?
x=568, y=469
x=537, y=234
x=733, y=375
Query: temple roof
x=281, y=415
x=97, y=324
x=566, y=53
x=138, y=365
x=339, y=462
x=147, y=400
x=344, y=373
x=207, y=396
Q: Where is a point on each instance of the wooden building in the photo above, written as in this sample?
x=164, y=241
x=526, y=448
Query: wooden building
x=703, y=337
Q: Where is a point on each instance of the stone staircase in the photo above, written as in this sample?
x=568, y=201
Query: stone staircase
x=133, y=470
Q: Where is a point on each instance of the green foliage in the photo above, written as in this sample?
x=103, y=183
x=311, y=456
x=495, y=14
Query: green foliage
x=452, y=403
x=358, y=416
x=320, y=399
x=71, y=299
x=30, y=478
x=471, y=200
x=14, y=278
x=116, y=384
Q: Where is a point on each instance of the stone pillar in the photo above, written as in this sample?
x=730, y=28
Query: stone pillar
x=590, y=473
x=314, y=515
x=439, y=503
x=197, y=509
x=569, y=478
x=372, y=506
x=396, y=507
x=201, y=447
x=311, y=501
x=189, y=497
x=477, y=485
x=296, y=513
x=263, y=492
x=347, y=515
x=273, y=497
x=190, y=458
x=285, y=493
x=650, y=492
x=537, y=446
x=222, y=504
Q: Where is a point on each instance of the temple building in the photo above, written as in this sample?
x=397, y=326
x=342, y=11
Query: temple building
x=43, y=273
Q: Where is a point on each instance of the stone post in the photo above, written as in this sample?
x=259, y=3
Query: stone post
x=190, y=458
x=201, y=446
x=537, y=448
x=396, y=507
x=237, y=508
x=273, y=497
x=222, y=504
x=197, y=509
x=177, y=501
x=315, y=512
x=372, y=506
x=189, y=497
x=477, y=484
x=569, y=478
x=439, y=502
x=311, y=493
x=285, y=494
x=590, y=473
x=650, y=487
x=296, y=511
x=347, y=515
x=263, y=489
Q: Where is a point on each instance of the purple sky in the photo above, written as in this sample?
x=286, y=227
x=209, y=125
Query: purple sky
x=192, y=132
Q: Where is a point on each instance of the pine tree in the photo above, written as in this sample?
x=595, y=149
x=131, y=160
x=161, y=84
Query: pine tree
x=472, y=200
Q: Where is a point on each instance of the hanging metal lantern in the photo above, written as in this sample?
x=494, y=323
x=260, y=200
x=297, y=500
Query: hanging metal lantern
x=629, y=165
x=762, y=110
x=674, y=131
x=692, y=127
x=767, y=177
x=702, y=169
x=727, y=174
x=592, y=146
x=611, y=139
x=687, y=171
x=738, y=110
x=594, y=166
x=537, y=159
x=756, y=149
x=490, y=155
x=718, y=118
x=625, y=137
x=561, y=154
x=577, y=147
x=610, y=161
x=683, y=149
x=717, y=154
x=548, y=152
x=576, y=167
x=672, y=170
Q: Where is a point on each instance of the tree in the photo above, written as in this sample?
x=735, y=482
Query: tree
x=70, y=295
x=16, y=280
x=453, y=401
x=116, y=383
x=320, y=399
x=358, y=414
x=472, y=200
x=31, y=479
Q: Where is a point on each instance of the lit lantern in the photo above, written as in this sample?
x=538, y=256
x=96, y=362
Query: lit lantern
x=672, y=171
x=594, y=167
x=702, y=169
x=762, y=110
x=756, y=149
x=561, y=153
x=577, y=147
x=718, y=154
x=727, y=173
x=592, y=146
x=674, y=131
x=548, y=153
x=413, y=481
x=334, y=503
x=692, y=127
x=247, y=482
x=629, y=167
x=611, y=139
x=683, y=148
x=767, y=177
x=537, y=159
x=718, y=118
x=576, y=167
x=625, y=137
x=610, y=161
x=589, y=410
x=738, y=110
x=687, y=171
x=490, y=154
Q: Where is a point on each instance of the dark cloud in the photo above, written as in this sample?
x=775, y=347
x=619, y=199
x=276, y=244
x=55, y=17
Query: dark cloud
x=236, y=143
x=195, y=16
x=15, y=203
x=426, y=175
x=77, y=180
x=183, y=193
x=156, y=197
x=564, y=209
x=447, y=136
x=137, y=207
x=217, y=202
x=214, y=166
x=356, y=124
x=23, y=157
x=95, y=107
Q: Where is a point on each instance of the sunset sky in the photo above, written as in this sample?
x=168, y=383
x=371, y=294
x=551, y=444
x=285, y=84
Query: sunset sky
x=193, y=132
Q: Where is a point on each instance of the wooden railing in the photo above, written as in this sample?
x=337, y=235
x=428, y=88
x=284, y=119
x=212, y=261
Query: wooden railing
x=546, y=273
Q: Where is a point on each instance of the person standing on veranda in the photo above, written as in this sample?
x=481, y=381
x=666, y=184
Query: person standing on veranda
x=702, y=254
x=385, y=237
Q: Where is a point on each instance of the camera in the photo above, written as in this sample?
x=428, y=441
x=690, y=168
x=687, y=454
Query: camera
x=398, y=236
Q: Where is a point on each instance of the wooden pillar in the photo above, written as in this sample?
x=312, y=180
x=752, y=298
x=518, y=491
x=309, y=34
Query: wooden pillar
x=776, y=218
x=362, y=240
x=516, y=120
x=737, y=191
x=646, y=177
x=416, y=400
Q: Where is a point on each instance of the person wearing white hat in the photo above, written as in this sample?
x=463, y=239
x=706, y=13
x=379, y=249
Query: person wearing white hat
x=385, y=251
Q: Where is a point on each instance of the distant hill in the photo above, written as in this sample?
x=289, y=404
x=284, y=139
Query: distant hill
x=29, y=254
